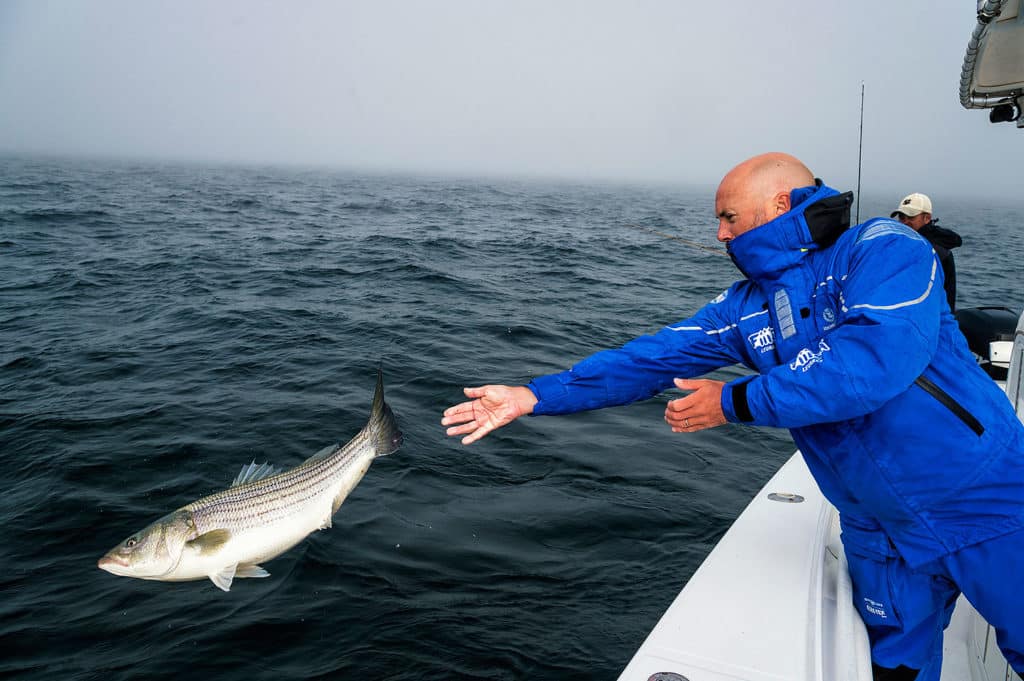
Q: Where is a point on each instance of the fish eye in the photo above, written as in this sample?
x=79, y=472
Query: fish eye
x=130, y=542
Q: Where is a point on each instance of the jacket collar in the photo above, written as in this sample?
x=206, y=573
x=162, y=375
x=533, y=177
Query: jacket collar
x=818, y=216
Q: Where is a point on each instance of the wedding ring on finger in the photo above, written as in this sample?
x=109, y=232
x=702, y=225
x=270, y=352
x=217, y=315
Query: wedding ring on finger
x=686, y=422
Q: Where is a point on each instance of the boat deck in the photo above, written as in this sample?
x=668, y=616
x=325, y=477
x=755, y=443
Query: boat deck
x=773, y=602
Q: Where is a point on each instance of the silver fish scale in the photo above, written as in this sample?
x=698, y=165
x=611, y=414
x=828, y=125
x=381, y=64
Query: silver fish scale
x=262, y=502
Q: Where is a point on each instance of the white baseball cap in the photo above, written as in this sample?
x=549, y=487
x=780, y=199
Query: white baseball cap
x=912, y=205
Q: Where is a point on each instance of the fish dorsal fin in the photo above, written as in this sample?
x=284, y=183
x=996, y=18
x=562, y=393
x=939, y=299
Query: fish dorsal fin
x=224, y=578
x=251, y=472
x=323, y=453
x=250, y=570
x=210, y=542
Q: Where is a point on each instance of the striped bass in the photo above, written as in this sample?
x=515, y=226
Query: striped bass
x=264, y=513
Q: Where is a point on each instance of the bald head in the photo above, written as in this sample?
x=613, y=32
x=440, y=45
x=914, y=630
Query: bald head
x=757, y=191
x=769, y=174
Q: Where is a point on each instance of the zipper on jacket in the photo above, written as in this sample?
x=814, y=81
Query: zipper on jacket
x=947, y=401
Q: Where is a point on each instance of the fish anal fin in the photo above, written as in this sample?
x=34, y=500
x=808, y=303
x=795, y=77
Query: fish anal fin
x=343, y=493
x=209, y=542
x=251, y=570
x=224, y=578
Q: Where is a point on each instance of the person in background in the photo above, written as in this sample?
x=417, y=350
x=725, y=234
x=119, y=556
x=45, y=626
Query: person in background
x=858, y=354
x=915, y=211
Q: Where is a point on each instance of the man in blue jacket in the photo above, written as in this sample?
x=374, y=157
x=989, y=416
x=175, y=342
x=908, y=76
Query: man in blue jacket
x=859, y=356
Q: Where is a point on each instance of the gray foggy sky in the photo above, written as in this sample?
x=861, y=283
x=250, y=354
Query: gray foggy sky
x=670, y=91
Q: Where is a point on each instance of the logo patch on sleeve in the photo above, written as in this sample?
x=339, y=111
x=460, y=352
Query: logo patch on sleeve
x=807, y=358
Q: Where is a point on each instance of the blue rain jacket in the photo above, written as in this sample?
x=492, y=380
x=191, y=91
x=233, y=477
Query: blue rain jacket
x=858, y=354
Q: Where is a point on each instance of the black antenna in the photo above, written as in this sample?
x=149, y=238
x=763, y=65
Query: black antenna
x=860, y=148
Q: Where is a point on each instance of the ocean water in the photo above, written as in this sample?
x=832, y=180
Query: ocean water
x=162, y=325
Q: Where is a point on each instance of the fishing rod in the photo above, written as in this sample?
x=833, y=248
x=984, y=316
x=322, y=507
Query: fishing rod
x=860, y=149
x=691, y=244
x=719, y=251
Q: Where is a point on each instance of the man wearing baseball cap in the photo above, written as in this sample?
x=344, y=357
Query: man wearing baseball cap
x=915, y=211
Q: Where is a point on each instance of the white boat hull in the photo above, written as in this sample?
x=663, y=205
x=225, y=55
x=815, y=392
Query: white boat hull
x=770, y=602
x=773, y=602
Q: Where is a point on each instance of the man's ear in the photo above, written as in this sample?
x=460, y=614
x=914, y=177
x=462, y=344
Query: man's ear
x=782, y=203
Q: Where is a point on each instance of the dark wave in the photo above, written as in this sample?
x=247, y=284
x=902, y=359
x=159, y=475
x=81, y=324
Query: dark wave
x=381, y=206
x=23, y=362
x=244, y=203
x=60, y=215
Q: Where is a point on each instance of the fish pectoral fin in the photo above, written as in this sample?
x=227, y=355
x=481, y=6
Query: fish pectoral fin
x=210, y=542
x=250, y=570
x=224, y=578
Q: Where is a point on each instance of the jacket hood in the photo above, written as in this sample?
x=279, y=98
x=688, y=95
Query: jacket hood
x=819, y=214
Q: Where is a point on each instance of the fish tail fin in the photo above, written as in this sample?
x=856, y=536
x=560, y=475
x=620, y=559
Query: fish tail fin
x=382, y=427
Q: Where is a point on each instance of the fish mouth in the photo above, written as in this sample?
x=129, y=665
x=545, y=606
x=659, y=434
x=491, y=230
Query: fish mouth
x=113, y=565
